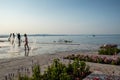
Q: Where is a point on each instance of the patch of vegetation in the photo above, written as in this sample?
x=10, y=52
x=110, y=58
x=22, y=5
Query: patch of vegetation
x=95, y=59
x=59, y=71
x=109, y=49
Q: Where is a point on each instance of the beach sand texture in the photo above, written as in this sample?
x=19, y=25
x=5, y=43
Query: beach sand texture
x=12, y=65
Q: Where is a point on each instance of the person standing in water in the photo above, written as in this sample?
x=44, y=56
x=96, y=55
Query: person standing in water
x=19, y=39
x=26, y=45
x=9, y=38
x=12, y=39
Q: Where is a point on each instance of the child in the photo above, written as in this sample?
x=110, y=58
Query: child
x=26, y=42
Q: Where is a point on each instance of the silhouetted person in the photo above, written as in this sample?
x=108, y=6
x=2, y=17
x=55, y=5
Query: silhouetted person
x=26, y=45
x=19, y=39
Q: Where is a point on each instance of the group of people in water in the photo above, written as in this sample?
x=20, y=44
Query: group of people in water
x=17, y=39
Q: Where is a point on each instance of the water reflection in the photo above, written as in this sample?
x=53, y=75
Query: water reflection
x=26, y=52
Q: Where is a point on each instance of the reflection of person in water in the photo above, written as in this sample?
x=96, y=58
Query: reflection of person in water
x=26, y=45
x=26, y=52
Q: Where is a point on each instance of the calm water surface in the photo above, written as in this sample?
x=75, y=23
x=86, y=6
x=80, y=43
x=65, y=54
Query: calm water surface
x=51, y=44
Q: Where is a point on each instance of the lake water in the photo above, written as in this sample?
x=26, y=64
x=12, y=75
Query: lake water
x=52, y=44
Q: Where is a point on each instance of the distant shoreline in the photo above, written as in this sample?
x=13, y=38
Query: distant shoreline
x=7, y=35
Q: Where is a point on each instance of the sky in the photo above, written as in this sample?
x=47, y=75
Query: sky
x=60, y=16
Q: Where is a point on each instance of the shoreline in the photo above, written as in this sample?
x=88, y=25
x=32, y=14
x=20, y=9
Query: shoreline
x=12, y=65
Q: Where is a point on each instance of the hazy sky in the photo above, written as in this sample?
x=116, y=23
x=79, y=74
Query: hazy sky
x=60, y=16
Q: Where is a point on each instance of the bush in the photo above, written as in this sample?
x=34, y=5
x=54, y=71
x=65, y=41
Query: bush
x=36, y=73
x=109, y=50
x=58, y=71
x=97, y=59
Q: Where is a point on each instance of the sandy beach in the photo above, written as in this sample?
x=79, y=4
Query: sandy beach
x=12, y=65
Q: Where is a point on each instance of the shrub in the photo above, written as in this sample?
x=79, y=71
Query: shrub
x=58, y=71
x=98, y=59
x=109, y=50
x=36, y=73
x=80, y=69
